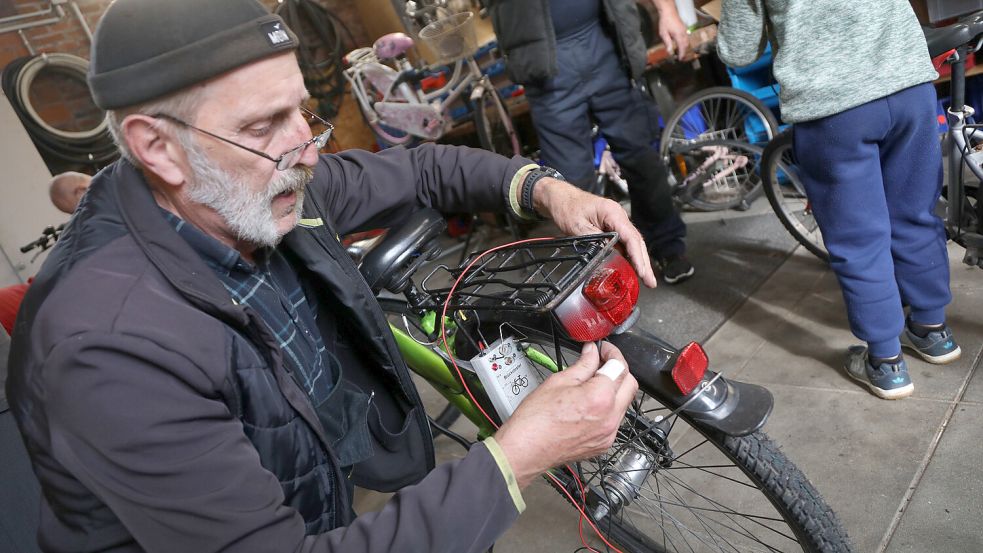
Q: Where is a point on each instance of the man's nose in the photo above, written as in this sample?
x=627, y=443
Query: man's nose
x=303, y=134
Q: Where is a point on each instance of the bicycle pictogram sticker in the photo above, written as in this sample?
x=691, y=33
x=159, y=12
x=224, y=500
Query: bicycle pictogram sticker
x=519, y=383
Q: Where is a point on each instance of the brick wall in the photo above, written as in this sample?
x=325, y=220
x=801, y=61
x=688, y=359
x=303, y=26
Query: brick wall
x=62, y=100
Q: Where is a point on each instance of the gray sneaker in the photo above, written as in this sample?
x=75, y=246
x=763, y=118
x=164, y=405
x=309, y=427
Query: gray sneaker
x=937, y=347
x=886, y=381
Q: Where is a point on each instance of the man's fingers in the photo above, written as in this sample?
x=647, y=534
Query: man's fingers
x=667, y=40
x=626, y=392
x=638, y=254
x=613, y=369
x=611, y=351
x=627, y=385
x=586, y=367
x=682, y=42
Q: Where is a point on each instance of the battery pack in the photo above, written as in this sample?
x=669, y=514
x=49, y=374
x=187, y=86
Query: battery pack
x=507, y=375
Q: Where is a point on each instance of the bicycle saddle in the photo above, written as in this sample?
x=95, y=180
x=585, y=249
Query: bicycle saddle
x=406, y=247
x=943, y=39
x=392, y=45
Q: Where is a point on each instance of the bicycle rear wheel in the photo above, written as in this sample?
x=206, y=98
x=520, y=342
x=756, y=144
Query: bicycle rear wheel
x=693, y=489
x=710, y=175
x=719, y=113
x=787, y=195
x=493, y=124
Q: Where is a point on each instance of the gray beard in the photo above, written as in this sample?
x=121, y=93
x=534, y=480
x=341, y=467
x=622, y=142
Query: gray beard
x=248, y=215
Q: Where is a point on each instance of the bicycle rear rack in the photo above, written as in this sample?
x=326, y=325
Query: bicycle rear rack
x=532, y=277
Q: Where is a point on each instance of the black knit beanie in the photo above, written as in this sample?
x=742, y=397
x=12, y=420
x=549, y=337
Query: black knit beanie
x=144, y=49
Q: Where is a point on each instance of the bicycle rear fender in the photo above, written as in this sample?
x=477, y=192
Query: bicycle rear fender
x=732, y=407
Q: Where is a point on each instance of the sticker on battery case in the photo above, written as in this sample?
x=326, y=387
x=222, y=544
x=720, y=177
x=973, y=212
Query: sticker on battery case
x=507, y=375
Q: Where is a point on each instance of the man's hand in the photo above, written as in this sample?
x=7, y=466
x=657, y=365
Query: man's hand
x=672, y=30
x=577, y=212
x=573, y=415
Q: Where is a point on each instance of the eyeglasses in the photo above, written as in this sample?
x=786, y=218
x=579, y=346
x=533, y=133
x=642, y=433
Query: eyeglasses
x=287, y=159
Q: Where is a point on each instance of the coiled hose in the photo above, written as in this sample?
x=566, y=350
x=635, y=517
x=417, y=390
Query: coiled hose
x=94, y=147
x=321, y=51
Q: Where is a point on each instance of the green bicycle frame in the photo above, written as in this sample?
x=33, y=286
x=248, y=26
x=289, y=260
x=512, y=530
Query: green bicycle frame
x=429, y=365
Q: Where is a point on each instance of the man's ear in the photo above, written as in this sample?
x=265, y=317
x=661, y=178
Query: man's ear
x=157, y=150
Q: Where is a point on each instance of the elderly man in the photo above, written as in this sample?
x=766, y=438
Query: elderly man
x=199, y=366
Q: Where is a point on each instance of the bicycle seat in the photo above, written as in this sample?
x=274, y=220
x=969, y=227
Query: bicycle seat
x=941, y=40
x=391, y=263
x=392, y=45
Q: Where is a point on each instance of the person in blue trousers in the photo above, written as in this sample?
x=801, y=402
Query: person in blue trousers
x=580, y=62
x=858, y=87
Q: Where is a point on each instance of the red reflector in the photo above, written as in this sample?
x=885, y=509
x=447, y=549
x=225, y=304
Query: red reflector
x=939, y=61
x=613, y=290
x=690, y=367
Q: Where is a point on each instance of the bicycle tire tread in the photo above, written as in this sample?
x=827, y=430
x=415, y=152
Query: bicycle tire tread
x=759, y=454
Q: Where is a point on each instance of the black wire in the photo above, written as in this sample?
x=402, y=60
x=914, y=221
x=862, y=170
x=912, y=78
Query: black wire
x=97, y=151
x=319, y=30
x=461, y=440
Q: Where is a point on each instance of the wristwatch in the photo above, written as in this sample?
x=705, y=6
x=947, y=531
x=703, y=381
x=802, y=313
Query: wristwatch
x=529, y=184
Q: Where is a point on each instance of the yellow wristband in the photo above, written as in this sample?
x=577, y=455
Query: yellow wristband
x=515, y=188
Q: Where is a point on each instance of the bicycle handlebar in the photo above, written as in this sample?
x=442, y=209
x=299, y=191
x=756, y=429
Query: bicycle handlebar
x=48, y=236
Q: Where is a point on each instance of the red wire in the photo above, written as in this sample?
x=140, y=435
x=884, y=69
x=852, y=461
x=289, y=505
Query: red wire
x=580, y=520
x=582, y=513
x=460, y=376
x=443, y=318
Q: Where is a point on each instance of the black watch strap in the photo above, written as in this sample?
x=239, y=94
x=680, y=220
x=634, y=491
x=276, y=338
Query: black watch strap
x=529, y=184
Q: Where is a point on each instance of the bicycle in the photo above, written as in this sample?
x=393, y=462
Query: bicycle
x=382, y=80
x=710, y=171
x=690, y=470
x=960, y=206
x=734, y=125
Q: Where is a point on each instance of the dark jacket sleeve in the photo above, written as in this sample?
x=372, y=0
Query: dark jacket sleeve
x=147, y=431
x=524, y=30
x=363, y=190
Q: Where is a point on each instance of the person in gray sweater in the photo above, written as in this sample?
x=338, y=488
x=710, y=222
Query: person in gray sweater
x=856, y=80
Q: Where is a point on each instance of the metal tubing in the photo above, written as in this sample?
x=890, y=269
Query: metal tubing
x=21, y=26
x=19, y=17
x=27, y=44
x=81, y=20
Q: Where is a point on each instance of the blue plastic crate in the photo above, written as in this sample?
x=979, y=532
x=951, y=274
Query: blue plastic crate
x=459, y=112
x=494, y=69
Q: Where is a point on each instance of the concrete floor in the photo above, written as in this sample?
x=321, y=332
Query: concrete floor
x=903, y=476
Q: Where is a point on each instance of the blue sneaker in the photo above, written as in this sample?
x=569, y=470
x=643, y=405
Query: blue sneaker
x=937, y=347
x=886, y=381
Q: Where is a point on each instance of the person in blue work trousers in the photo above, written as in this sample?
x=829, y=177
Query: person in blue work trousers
x=579, y=61
x=871, y=164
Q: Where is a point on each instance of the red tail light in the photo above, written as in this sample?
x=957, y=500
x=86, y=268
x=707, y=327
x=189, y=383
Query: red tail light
x=613, y=289
x=606, y=300
x=690, y=367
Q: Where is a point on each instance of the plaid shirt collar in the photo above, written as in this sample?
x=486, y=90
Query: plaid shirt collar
x=217, y=255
